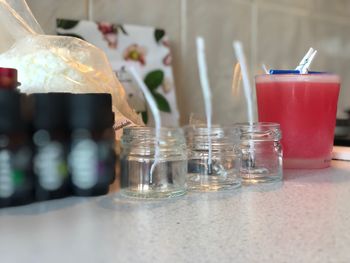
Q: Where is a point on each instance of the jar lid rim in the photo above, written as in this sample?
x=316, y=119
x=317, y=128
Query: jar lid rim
x=270, y=125
x=150, y=129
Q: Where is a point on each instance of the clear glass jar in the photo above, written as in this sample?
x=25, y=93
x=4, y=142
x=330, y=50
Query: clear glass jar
x=223, y=172
x=168, y=178
x=261, y=152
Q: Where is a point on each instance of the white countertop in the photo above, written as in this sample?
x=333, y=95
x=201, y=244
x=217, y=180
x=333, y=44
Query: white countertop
x=305, y=219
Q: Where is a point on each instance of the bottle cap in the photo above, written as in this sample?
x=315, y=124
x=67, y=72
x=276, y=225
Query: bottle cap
x=8, y=78
x=50, y=111
x=91, y=111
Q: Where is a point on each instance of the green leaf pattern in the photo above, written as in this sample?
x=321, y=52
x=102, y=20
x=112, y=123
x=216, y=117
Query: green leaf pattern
x=159, y=34
x=66, y=23
x=153, y=81
x=71, y=35
x=162, y=103
x=144, y=115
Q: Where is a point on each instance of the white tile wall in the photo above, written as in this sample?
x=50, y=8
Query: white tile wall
x=304, y=4
x=219, y=27
x=47, y=11
x=332, y=39
x=276, y=32
x=335, y=7
x=282, y=37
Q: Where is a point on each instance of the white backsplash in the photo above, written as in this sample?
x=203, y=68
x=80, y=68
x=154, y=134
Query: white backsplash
x=276, y=32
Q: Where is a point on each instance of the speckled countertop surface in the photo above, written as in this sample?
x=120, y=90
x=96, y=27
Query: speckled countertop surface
x=305, y=219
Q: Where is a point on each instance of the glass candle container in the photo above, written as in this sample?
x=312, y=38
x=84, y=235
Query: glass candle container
x=261, y=152
x=223, y=171
x=168, y=176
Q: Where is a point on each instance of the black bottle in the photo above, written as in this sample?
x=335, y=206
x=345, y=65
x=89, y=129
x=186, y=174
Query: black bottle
x=51, y=141
x=91, y=157
x=16, y=176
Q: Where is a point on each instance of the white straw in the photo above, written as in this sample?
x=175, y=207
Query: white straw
x=265, y=68
x=308, y=63
x=203, y=75
x=90, y=10
x=237, y=46
x=305, y=59
x=155, y=112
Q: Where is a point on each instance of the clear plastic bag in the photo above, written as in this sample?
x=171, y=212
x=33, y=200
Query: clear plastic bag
x=57, y=63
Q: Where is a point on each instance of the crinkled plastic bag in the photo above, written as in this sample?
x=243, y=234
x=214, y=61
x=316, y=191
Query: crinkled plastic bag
x=57, y=63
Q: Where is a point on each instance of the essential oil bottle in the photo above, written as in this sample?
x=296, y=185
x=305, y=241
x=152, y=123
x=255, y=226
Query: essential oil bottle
x=16, y=177
x=92, y=156
x=51, y=141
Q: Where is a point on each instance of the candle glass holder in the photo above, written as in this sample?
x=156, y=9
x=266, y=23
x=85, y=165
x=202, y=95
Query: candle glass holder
x=168, y=177
x=221, y=170
x=261, y=152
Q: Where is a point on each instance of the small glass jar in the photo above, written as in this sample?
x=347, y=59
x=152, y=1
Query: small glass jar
x=222, y=173
x=168, y=178
x=261, y=152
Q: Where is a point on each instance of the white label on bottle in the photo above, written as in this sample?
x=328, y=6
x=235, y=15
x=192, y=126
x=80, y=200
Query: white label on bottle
x=47, y=165
x=7, y=187
x=83, y=163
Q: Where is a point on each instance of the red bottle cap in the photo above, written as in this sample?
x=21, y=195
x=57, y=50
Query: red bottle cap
x=8, y=78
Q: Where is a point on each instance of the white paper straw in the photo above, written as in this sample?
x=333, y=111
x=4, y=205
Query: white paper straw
x=265, y=69
x=90, y=9
x=237, y=46
x=155, y=112
x=204, y=80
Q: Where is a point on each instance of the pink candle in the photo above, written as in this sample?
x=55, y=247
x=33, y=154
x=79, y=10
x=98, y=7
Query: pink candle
x=305, y=106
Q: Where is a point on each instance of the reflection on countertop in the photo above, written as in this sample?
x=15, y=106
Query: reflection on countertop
x=304, y=219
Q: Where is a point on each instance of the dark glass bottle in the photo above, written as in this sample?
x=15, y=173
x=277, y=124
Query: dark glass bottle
x=16, y=176
x=51, y=141
x=91, y=157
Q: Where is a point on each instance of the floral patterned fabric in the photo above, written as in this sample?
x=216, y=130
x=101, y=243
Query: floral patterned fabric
x=146, y=49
